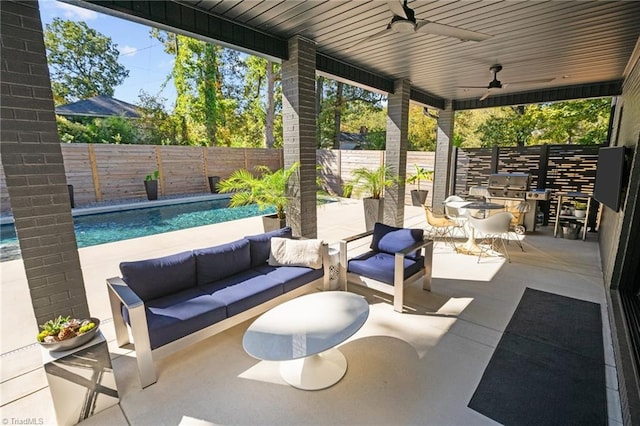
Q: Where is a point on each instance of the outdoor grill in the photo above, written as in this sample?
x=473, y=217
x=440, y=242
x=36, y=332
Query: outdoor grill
x=512, y=191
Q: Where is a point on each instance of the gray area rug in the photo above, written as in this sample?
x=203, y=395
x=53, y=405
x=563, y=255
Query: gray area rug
x=548, y=367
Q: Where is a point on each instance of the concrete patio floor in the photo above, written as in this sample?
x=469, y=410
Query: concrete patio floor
x=420, y=367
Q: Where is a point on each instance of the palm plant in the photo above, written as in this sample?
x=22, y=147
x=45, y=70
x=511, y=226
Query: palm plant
x=269, y=189
x=421, y=174
x=372, y=182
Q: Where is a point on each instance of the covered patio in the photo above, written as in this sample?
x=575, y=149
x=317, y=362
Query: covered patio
x=420, y=367
x=564, y=50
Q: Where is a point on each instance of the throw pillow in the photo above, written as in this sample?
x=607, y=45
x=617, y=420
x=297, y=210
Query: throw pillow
x=287, y=252
x=261, y=244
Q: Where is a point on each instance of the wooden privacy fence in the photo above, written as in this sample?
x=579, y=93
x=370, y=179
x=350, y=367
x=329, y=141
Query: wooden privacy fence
x=107, y=172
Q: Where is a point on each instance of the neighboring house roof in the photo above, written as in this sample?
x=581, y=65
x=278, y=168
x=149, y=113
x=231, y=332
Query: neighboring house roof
x=99, y=106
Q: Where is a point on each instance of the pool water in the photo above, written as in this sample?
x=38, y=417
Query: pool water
x=116, y=226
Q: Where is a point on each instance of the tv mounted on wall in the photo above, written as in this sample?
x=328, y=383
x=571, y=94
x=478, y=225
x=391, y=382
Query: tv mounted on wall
x=609, y=177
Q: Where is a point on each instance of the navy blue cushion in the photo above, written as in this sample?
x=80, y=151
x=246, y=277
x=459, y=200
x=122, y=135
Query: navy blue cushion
x=247, y=294
x=153, y=278
x=234, y=279
x=290, y=276
x=389, y=239
x=172, y=317
x=215, y=263
x=380, y=266
x=261, y=244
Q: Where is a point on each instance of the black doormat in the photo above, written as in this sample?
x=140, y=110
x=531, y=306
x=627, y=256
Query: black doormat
x=548, y=367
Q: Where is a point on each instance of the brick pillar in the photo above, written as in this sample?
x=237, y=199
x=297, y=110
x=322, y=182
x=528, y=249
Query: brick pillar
x=442, y=171
x=299, y=127
x=34, y=169
x=396, y=152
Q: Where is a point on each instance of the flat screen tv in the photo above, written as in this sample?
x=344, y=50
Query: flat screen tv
x=609, y=177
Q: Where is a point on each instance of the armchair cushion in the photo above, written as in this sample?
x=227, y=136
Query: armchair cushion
x=380, y=266
x=389, y=239
x=260, y=244
x=153, y=278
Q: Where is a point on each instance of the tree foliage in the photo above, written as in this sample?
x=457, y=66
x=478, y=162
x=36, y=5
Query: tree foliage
x=83, y=63
x=579, y=122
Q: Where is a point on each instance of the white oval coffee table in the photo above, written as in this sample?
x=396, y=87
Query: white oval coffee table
x=302, y=334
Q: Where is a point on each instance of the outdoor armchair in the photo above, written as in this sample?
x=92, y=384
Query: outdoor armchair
x=397, y=258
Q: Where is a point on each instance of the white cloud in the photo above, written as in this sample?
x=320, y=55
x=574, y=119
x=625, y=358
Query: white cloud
x=128, y=50
x=74, y=12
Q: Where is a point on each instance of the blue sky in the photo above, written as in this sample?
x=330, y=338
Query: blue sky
x=142, y=55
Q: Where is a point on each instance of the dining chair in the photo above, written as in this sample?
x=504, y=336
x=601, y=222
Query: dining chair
x=490, y=233
x=440, y=227
x=455, y=213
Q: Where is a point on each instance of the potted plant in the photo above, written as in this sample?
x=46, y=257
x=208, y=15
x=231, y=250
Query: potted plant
x=269, y=189
x=373, y=183
x=419, y=196
x=151, y=185
x=580, y=209
x=213, y=183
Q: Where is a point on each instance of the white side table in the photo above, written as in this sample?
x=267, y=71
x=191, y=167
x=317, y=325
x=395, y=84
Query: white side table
x=81, y=380
x=334, y=268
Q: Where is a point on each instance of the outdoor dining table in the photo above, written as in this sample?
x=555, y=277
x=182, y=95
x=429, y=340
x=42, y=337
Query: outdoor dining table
x=470, y=246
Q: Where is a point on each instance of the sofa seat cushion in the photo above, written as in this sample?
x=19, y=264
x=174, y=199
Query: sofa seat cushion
x=225, y=260
x=246, y=294
x=261, y=244
x=163, y=276
x=172, y=317
x=380, y=266
x=291, y=277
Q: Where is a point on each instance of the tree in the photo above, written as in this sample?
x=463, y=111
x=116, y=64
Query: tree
x=83, y=63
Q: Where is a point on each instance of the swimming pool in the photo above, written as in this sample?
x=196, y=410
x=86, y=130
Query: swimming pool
x=122, y=225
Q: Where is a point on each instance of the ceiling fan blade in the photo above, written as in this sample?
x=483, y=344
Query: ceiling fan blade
x=428, y=27
x=541, y=80
x=368, y=39
x=472, y=87
x=486, y=95
x=397, y=9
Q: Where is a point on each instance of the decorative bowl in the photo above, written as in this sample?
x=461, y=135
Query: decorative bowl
x=74, y=342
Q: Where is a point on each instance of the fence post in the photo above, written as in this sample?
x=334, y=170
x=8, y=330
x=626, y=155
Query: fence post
x=495, y=159
x=543, y=169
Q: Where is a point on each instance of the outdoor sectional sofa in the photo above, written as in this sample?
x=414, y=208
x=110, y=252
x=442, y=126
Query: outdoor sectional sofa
x=174, y=301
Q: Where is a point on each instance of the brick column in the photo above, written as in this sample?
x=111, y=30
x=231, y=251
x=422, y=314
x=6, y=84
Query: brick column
x=34, y=169
x=299, y=128
x=396, y=151
x=444, y=144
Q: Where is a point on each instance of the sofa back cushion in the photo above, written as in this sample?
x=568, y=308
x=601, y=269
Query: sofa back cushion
x=153, y=278
x=261, y=244
x=218, y=262
x=389, y=239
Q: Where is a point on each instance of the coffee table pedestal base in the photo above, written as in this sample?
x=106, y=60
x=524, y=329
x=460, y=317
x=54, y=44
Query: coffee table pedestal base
x=315, y=372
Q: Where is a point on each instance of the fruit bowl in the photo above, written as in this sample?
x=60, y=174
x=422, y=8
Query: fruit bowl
x=73, y=342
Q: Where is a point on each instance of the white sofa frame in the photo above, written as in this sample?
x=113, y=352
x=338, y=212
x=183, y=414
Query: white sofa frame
x=121, y=293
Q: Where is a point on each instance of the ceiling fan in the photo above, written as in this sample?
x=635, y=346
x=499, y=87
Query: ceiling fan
x=404, y=21
x=497, y=84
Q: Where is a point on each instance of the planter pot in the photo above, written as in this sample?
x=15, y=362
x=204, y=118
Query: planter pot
x=151, y=186
x=213, y=181
x=70, y=189
x=373, y=211
x=272, y=223
x=571, y=231
x=581, y=214
x=419, y=197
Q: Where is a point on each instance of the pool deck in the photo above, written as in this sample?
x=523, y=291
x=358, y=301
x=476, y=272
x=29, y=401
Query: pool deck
x=438, y=351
